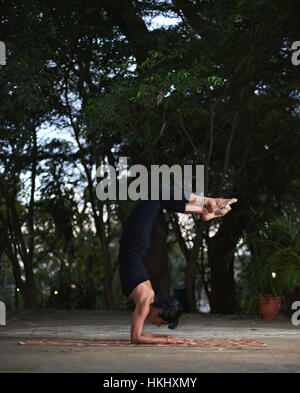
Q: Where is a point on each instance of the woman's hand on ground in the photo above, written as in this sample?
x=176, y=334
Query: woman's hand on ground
x=179, y=340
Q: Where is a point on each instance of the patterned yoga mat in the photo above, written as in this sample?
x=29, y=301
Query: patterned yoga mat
x=209, y=342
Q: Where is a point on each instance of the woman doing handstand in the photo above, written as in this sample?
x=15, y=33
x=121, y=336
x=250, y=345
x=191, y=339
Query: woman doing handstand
x=135, y=243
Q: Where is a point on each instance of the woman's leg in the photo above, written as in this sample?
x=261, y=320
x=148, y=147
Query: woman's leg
x=191, y=203
x=209, y=207
x=193, y=208
x=197, y=200
x=172, y=199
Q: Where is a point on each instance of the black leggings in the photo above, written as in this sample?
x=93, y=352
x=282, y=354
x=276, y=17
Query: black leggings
x=135, y=238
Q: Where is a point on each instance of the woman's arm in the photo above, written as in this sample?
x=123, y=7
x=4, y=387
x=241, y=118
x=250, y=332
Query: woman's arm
x=138, y=318
x=153, y=335
x=156, y=335
x=138, y=337
x=171, y=339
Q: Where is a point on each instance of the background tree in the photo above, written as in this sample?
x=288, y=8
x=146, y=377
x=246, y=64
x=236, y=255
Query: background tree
x=216, y=88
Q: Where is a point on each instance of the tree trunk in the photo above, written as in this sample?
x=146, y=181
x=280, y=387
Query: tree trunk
x=222, y=296
x=91, y=290
x=29, y=297
x=2, y=273
x=190, y=285
x=221, y=250
x=14, y=240
x=156, y=261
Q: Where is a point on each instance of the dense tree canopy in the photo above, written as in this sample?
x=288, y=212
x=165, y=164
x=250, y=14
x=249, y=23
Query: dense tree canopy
x=88, y=82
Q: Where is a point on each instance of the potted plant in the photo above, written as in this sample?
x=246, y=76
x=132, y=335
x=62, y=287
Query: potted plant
x=283, y=242
x=269, y=295
x=268, y=291
x=260, y=290
x=275, y=271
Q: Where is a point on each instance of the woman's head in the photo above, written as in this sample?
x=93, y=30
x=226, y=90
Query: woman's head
x=165, y=310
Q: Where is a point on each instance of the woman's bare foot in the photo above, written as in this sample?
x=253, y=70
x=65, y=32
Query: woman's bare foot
x=216, y=207
x=212, y=207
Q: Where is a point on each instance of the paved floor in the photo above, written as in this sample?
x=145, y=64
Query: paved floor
x=282, y=353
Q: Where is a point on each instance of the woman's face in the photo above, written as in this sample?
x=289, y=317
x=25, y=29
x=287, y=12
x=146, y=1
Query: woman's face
x=154, y=318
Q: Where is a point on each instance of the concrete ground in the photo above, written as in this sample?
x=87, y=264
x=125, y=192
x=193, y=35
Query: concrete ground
x=282, y=353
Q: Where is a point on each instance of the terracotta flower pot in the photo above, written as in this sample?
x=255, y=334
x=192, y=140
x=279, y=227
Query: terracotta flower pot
x=269, y=307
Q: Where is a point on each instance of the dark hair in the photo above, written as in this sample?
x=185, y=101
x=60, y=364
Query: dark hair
x=171, y=309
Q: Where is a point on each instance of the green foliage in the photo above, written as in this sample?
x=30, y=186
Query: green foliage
x=160, y=82
x=283, y=255
x=276, y=270
x=220, y=79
